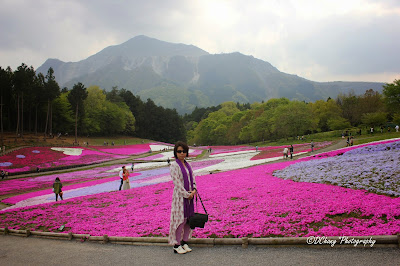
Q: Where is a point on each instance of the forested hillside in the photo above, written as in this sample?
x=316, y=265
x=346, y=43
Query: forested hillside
x=35, y=103
x=233, y=123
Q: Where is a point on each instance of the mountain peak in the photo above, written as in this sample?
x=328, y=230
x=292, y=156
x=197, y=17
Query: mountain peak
x=51, y=62
x=181, y=76
x=141, y=37
x=142, y=45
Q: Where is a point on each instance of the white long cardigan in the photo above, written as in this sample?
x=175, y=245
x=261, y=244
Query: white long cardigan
x=177, y=215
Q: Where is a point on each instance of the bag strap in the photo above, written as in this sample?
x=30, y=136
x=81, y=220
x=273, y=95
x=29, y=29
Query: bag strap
x=197, y=194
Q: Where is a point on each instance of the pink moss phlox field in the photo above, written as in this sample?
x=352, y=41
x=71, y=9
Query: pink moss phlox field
x=122, y=213
x=193, y=152
x=23, y=185
x=152, y=157
x=20, y=185
x=201, y=164
x=41, y=155
x=245, y=202
x=158, y=173
x=45, y=157
x=18, y=198
x=90, y=156
x=227, y=149
x=276, y=151
x=126, y=149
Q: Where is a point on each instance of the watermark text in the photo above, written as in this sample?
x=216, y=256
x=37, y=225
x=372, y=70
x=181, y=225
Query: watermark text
x=341, y=240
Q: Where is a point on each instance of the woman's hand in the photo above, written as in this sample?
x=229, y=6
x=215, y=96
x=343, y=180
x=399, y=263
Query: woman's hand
x=192, y=194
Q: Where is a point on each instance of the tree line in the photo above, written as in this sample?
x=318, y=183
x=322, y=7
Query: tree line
x=234, y=123
x=35, y=103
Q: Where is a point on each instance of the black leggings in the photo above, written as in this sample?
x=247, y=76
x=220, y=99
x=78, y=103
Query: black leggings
x=60, y=197
x=122, y=182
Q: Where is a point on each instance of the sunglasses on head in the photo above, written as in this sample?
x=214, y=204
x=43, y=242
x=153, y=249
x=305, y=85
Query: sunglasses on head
x=181, y=151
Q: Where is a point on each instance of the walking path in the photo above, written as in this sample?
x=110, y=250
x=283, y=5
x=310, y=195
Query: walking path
x=16, y=250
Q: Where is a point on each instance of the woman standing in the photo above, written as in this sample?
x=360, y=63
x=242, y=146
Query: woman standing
x=125, y=178
x=57, y=186
x=182, y=199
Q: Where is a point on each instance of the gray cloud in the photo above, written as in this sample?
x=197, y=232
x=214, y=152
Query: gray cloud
x=347, y=46
x=314, y=42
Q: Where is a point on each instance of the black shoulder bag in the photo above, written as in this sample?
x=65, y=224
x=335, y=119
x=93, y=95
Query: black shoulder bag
x=198, y=219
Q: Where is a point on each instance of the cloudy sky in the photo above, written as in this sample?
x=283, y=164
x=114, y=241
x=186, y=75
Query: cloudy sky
x=321, y=40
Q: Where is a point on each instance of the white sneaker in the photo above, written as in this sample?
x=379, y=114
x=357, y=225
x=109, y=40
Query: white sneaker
x=179, y=250
x=187, y=248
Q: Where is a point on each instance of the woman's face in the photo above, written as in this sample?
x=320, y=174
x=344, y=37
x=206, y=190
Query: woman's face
x=181, y=153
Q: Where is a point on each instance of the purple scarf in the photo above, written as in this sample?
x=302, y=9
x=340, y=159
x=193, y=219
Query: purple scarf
x=188, y=207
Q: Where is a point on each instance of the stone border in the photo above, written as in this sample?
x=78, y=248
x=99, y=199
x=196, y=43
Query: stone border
x=386, y=241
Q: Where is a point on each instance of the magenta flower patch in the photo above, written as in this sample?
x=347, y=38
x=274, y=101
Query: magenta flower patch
x=126, y=149
x=227, y=149
x=271, y=152
x=66, y=188
x=245, y=202
x=20, y=185
x=27, y=159
x=194, y=152
x=152, y=157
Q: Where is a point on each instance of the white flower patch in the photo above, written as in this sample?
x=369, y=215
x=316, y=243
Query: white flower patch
x=232, y=161
x=162, y=179
x=234, y=153
x=159, y=147
x=149, y=165
x=166, y=155
x=236, y=160
x=139, y=166
x=117, y=169
x=69, y=151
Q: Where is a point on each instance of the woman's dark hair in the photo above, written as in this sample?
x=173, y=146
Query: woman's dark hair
x=183, y=145
x=57, y=179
